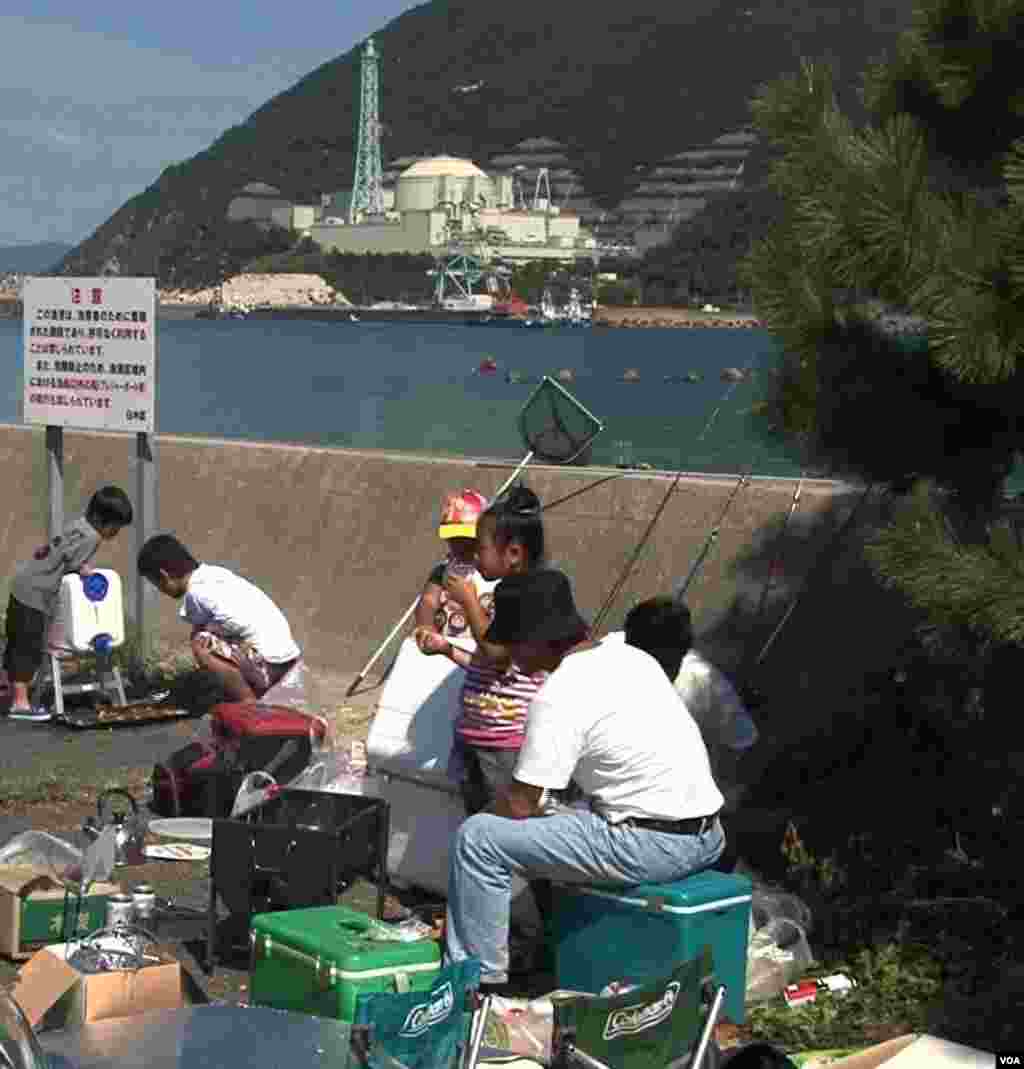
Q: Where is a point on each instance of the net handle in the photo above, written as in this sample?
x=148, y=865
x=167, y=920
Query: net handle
x=412, y=608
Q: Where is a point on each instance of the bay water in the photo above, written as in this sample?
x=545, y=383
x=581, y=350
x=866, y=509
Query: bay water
x=417, y=388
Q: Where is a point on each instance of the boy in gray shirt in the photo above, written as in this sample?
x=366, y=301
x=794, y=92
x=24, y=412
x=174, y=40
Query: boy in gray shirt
x=36, y=586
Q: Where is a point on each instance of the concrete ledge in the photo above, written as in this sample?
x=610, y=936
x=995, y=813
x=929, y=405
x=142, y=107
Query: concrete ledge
x=343, y=541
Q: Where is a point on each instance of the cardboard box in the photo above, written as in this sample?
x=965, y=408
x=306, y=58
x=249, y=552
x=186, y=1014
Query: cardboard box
x=32, y=910
x=54, y=994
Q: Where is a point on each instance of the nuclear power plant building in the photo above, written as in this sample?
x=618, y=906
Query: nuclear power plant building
x=444, y=200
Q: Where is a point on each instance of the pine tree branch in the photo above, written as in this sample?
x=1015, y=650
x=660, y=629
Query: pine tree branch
x=956, y=585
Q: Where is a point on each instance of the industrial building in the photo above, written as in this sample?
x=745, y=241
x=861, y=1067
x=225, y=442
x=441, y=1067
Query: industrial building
x=445, y=199
x=259, y=202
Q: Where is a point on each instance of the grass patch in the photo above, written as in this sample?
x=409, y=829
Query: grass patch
x=898, y=987
x=63, y=784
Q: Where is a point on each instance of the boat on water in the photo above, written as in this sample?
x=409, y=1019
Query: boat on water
x=576, y=315
x=488, y=366
x=513, y=313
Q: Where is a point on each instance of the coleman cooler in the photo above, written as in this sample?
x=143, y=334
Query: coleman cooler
x=318, y=961
x=638, y=934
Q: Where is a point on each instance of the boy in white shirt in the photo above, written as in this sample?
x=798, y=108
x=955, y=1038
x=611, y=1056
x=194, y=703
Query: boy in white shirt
x=662, y=627
x=238, y=633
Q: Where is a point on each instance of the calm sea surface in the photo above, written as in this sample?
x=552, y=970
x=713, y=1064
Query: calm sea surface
x=416, y=388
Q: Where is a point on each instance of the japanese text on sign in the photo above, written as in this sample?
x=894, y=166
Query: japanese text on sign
x=90, y=353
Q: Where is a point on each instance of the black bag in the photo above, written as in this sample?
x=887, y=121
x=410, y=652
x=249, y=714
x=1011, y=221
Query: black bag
x=196, y=781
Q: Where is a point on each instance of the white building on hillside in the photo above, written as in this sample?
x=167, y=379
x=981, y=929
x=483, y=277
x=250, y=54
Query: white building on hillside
x=446, y=199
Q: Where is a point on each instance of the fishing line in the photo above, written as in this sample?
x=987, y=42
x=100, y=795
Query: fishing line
x=630, y=564
x=584, y=489
x=833, y=542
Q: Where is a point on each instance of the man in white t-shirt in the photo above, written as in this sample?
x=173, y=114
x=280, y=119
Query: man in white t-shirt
x=609, y=719
x=238, y=633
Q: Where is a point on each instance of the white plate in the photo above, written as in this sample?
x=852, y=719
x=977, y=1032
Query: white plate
x=177, y=852
x=198, y=829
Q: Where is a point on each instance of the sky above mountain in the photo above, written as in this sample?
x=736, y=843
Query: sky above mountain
x=97, y=99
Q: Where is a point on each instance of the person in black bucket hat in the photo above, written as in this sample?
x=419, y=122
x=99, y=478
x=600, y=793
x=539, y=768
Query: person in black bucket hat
x=609, y=719
x=536, y=610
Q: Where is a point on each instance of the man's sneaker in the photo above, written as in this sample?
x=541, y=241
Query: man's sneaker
x=37, y=715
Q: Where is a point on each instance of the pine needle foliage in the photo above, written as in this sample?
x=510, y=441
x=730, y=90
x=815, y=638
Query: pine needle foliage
x=965, y=587
x=893, y=279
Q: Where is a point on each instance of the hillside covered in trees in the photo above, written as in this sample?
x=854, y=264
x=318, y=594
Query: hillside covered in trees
x=621, y=86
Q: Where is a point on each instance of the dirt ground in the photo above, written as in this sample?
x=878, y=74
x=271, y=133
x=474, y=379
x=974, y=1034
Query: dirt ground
x=52, y=776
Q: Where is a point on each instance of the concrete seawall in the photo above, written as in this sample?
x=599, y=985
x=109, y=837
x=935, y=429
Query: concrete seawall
x=343, y=540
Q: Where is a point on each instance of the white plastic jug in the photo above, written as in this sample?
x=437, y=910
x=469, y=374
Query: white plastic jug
x=92, y=605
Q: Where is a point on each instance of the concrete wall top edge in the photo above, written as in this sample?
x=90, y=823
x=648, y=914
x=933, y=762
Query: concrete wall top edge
x=811, y=485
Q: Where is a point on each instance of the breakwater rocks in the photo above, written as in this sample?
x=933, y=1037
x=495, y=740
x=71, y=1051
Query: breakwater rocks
x=673, y=318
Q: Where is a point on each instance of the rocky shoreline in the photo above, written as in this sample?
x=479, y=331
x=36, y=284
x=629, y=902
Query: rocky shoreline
x=674, y=318
x=175, y=304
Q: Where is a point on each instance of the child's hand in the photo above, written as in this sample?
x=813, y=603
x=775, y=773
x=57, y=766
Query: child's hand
x=86, y=569
x=461, y=591
x=430, y=641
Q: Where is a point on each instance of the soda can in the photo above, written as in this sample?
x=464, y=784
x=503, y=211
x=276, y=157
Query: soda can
x=120, y=910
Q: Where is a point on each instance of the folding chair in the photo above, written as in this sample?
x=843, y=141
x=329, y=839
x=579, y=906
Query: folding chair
x=660, y=1024
x=438, y=1028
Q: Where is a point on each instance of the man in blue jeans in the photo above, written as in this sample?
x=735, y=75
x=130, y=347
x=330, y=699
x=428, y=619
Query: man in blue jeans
x=609, y=719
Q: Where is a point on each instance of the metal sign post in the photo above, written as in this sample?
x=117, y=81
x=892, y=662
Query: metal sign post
x=90, y=362
x=55, y=480
x=146, y=610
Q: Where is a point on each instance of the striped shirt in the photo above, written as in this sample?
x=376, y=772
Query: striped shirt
x=494, y=704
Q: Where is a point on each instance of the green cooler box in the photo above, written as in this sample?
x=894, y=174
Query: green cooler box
x=641, y=933
x=318, y=961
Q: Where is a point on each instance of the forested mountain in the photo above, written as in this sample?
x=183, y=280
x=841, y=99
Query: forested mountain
x=621, y=86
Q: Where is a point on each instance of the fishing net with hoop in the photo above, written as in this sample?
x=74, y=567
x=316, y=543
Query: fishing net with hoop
x=555, y=427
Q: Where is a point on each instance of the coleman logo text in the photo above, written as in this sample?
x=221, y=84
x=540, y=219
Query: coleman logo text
x=426, y=1014
x=632, y=1019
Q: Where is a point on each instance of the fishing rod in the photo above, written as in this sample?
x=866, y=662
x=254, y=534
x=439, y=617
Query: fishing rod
x=805, y=584
x=631, y=563
x=712, y=538
x=777, y=558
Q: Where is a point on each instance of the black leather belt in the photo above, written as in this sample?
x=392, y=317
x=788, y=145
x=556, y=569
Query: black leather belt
x=689, y=826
